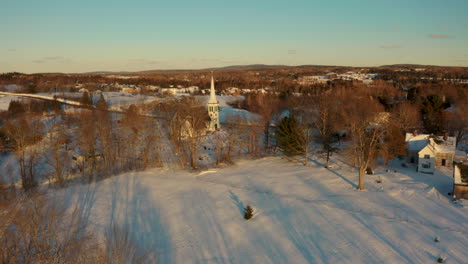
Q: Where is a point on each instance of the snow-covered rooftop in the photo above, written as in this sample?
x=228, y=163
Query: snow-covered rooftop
x=416, y=142
x=461, y=174
x=439, y=144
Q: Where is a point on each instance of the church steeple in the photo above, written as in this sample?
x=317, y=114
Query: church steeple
x=213, y=108
x=212, y=92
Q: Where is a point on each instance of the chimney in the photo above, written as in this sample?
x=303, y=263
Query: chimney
x=415, y=132
x=445, y=136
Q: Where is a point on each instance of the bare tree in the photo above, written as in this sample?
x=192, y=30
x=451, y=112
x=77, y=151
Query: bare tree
x=38, y=231
x=219, y=140
x=106, y=137
x=361, y=118
x=58, y=156
x=267, y=106
x=35, y=229
x=188, y=123
x=197, y=122
x=139, y=139
x=326, y=119
x=407, y=116
x=120, y=248
x=150, y=140
x=457, y=121
x=87, y=143
x=393, y=143
x=24, y=132
x=232, y=138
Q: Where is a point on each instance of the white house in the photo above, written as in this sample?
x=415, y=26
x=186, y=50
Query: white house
x=169, y=91
x=429, y=151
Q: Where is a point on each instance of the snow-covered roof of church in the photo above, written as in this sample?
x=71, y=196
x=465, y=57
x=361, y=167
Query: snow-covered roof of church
x=438, y=144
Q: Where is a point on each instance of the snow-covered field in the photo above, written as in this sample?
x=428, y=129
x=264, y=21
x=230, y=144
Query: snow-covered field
x=302, y=214
x=5, y=101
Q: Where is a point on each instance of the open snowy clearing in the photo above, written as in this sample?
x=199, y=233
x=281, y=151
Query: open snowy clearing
x=302, y=214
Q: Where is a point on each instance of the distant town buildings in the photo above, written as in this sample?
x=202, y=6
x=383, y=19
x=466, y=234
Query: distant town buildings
x=366, y=78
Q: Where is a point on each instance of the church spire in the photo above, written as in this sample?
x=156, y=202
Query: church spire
x=212, y=91
x=213, y=108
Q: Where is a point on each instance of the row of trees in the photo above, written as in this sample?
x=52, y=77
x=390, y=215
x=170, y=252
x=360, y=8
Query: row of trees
x=187, y=118
x=324, y=119
x=92, y=143
x=102, y=143
x=34, y=229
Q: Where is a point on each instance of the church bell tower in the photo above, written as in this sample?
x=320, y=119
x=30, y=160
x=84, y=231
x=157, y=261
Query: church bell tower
x=213, y=108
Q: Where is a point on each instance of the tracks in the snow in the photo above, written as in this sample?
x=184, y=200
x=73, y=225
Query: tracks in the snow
x=328, y=204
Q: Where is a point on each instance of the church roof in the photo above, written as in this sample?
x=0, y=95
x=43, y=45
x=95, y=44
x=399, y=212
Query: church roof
x=212, y=99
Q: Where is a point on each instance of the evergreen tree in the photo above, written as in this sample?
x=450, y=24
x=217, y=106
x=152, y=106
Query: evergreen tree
x=290, y=137
x=85, y=99
x=101, y=104
x=432, y=109
x=248, y=212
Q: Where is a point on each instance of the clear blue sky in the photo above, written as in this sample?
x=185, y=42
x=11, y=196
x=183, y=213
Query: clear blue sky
x=83, y=35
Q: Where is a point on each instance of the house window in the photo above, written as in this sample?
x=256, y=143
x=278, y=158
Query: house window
x=426, y=165
x=427, y=156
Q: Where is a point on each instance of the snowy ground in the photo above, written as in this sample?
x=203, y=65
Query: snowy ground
x=5, y=101
x=303, y=214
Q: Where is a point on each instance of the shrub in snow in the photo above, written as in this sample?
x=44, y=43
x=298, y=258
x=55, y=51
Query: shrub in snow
x=440, y=260
x=248, y=212
x=369, y=171
x=437, y=239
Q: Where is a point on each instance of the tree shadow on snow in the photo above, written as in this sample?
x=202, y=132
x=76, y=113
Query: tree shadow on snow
x=135, y=212
x=319, y=164
x=239, y=204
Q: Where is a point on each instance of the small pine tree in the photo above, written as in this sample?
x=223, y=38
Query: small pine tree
x=248, y=212
x=440, y=260
x=290, y=137
x=101, y=104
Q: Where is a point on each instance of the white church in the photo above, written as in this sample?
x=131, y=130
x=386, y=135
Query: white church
x=213, y=108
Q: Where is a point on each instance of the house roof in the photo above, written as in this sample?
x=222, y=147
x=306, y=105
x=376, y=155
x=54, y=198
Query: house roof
x=416, y=143
x=436, y=143
x=460, y=173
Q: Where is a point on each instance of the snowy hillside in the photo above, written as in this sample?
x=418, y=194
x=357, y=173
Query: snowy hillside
x=302, y=214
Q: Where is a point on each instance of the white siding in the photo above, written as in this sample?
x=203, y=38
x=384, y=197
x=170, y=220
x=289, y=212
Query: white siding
x=426, y=165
